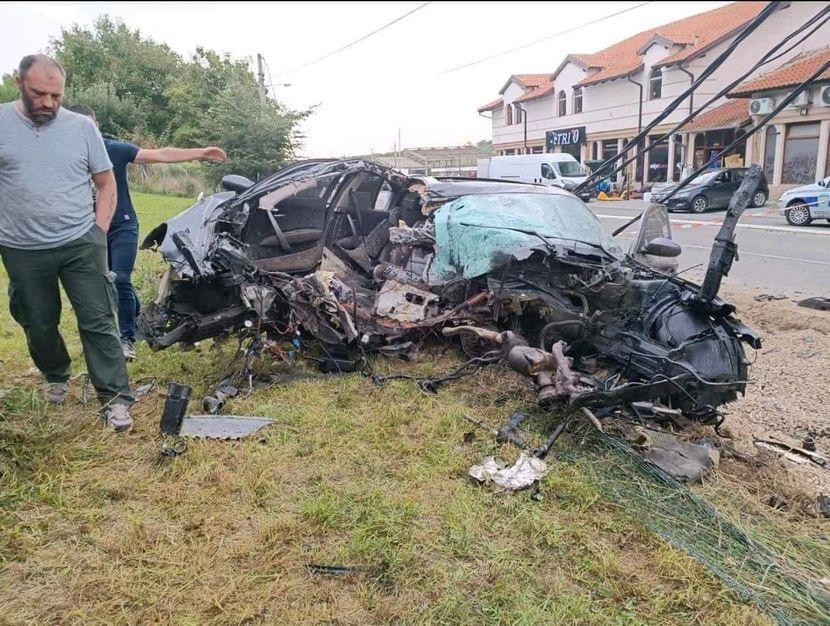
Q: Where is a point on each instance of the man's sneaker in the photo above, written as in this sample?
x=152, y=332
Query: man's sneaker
x=129, y=349
x=56, y=392
x=117, y=417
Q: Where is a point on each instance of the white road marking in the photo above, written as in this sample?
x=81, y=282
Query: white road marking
x=801, y=230
x=767, y=256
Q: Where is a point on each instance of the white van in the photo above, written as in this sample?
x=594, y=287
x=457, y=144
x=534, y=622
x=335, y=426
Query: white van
x=558, y=169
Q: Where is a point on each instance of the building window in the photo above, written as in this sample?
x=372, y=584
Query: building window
x=800, y=154
x=658, y=160
x=609, y=149
x=655, y=84
x=678, y=158
x=509, y=152
x=577, y=100
x=537, y=150
x=562, y=108
x=508, y=111
x=519, y=114
x=827, y=161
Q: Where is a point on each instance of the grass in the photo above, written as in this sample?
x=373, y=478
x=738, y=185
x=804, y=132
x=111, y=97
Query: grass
x=98, y=528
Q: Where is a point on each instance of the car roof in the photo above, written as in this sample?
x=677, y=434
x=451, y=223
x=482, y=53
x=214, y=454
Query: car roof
x=449, y=187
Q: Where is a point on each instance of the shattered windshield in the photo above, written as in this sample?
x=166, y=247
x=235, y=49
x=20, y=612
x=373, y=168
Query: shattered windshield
x=476, y=234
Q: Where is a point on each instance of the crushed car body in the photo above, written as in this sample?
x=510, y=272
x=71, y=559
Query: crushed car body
x=366, y=259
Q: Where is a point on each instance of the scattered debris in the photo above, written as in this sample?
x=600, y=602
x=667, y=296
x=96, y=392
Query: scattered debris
x=769, y=297
x=793, y=453
x=333, y=570
x=222, y=426
x=818, y=303
x=214, y=403
x=175, y=407
x=509, y=431
x=808, y=354
x=143, y=390
x=683, y=460
x=521, y=475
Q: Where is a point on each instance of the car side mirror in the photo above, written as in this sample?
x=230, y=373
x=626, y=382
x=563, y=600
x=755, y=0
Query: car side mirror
x=236, y=183
x=662, y=246
x=822, y=183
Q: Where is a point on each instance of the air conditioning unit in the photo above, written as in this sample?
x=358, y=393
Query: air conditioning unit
x=801, y=100
x=760, y=106
x=825, y=96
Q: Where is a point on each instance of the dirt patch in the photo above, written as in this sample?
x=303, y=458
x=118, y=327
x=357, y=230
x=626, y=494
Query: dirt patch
x=788, y=398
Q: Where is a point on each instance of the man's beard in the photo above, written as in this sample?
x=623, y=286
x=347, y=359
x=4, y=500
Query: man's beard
x=37, y=116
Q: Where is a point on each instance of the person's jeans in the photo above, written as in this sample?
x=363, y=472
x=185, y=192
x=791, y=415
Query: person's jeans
x=123, y=247
x=35, y=304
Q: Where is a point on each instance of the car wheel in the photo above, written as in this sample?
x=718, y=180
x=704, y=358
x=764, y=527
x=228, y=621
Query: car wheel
x=759, y=198
x=798, y=215
x=700, y=204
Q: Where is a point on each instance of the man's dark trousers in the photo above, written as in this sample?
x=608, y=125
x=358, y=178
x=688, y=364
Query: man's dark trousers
x=35, y=303
x=123, y=246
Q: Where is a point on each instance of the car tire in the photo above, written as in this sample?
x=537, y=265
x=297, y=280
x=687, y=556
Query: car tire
x=798, y=214
x=700, y=204
x=759, y=198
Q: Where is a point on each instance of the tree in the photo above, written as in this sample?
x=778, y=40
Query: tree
x=258, y=138
x=485, y=144
x=116, y=116
x=142, y=90
x=137, y=68
x=202, y=81
x=8, y=90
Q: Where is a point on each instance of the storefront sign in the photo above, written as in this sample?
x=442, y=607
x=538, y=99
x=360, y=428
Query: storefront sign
x=565, y=137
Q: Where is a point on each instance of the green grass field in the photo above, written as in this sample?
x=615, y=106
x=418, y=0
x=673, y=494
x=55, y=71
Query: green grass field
x=98, y=528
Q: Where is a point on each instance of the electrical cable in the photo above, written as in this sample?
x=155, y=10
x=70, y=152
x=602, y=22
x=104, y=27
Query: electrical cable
x=763, y=61
x=547, y=37
x=355, y=42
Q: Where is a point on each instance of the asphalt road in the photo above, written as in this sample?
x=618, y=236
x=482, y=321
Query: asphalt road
x=772, y=255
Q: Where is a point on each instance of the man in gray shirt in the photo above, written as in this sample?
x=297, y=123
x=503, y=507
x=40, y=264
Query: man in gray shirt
x=50, y=232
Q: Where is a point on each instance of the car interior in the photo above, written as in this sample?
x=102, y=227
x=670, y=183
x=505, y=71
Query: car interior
x=291, y=236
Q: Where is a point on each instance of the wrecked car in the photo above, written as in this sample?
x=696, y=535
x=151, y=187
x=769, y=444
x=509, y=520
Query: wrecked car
x=365, y=259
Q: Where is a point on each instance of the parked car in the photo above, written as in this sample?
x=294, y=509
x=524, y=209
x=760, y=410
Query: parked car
x=557, y=169
x=711, y=190
x=804, y=204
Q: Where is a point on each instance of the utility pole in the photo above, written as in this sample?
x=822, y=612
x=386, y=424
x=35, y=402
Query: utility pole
x=260, y=78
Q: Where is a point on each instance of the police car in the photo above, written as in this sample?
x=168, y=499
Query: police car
x=804, y=204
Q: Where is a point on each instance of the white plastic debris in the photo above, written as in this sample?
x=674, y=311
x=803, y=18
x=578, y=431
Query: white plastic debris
x=521, y=475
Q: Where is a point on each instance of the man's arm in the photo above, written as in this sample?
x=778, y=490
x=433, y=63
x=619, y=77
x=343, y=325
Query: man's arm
x=107, y=196
x=178, y=155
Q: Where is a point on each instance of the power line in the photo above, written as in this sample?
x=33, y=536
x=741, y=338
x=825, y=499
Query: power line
x=814, y=23
x=669, y=109
x=356, y=41
x=533, y=43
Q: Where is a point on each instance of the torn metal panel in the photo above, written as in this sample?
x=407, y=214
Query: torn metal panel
x=222, y=426
x=404, y=303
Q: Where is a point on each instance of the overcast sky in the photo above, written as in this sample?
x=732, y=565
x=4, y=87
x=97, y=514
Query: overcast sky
x=393, y=80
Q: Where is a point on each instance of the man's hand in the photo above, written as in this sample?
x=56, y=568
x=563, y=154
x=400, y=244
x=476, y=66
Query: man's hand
x=213, y=153
x=107, y=196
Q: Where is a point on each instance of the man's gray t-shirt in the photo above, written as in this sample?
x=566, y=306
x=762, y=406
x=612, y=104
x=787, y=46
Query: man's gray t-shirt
x=45, y=178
